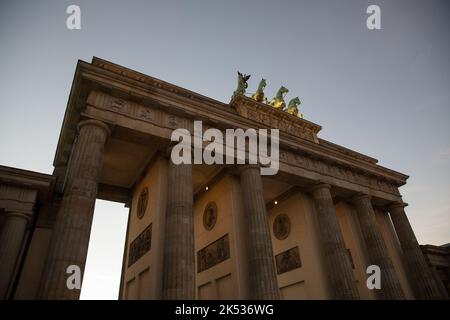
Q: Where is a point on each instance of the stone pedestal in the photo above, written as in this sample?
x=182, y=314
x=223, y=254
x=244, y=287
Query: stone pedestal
x=263, y=278
x=70, y=236
x=423, y=283
x=338, y=266
x=11, y=241
x=376, y=249
x=179, y=255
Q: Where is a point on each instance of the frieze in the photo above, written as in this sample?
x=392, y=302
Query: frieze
x=172, y=121
x=161, y=118
x=140, y=246
x=337, y=171
x=118, y=104
x=19, y=199
x=146, y=114
x=346, y=151
x=136, y=111
x=213, y=254
x=288, y=260
x=16, y=193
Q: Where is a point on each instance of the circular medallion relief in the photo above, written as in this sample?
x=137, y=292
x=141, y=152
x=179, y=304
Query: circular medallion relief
x=210, y=216
x=281, y=226
x=142, y=203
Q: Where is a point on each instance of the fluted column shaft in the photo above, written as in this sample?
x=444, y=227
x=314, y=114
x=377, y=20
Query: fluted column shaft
x=11, y=238
x=338, y=266
x=263, y=278
x=423, y=284
x=179, y=255
x=70, y=236
x=377, y=250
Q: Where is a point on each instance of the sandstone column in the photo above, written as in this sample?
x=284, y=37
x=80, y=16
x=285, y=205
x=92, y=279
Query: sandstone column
x=11, y=237
x=423, y=284
x=179, y=255
x=263, y=278
x=338, y=266
x=70, y=236
x=377, y=250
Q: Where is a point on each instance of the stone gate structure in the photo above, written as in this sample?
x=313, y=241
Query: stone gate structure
x=204, y=231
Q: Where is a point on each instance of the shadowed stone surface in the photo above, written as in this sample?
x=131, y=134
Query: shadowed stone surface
x=263, y=278
x=377, y=250
x=70, y=238
x=339, y=269
x=179, y=258
x=11, y=237
x=423, y=282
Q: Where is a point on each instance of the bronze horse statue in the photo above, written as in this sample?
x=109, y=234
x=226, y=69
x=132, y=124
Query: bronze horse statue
x=242, y=85
x=259, y=94
x=278, y=101
x=293, y=107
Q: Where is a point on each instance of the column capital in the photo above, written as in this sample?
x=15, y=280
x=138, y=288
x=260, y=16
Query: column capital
x=166, y=151
x=243, y=167
x=92, y=122
x=396, y=205
x=25, y=215
x=360, y=196
x=320, y=185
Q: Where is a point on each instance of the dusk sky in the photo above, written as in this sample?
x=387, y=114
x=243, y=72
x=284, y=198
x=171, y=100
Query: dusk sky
x=384, y=93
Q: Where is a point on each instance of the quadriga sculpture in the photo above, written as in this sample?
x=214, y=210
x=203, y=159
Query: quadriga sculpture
x=278, y=101
x=259, y=94
x=241, y=85
x=293, y=107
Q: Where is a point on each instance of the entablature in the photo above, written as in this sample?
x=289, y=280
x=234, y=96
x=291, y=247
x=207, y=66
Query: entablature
x=103, y=86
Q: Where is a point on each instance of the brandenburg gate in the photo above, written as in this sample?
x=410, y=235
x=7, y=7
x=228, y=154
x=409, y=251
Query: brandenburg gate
x=205, y=231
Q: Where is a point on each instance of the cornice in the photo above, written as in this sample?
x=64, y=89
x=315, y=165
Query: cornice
x=154, y=82
x=43, y=183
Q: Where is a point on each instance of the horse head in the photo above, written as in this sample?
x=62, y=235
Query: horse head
x=294, y=102
x=282, y=91
x=262, y=84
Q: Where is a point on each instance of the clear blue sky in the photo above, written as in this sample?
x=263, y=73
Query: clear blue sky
x=385, y=93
